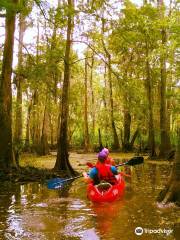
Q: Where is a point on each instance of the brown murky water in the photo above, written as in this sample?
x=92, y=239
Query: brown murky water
x=32, y=211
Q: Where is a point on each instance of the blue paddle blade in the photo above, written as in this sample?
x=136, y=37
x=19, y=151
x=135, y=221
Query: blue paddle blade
x=55, y=183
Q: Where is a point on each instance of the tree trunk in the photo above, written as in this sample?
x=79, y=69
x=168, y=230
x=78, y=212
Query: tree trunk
x=100, y=140
x=19, y=79
x=27, y=140
x=135, y=135
x=92, y=98
x=35, y=104
x=165, y=145
x=127, y=130
x=35, y=133
x=51, y=130
x=151, y=137
x=53, y=60
x=62, y=161
x=6, y=153
x=115, y=144
x=44, y=149
x=171, y=192
x=86, y=130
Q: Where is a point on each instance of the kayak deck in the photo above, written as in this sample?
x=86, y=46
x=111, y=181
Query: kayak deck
x=96, y=193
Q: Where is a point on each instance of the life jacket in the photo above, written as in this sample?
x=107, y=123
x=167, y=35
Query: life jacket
x=105, y=173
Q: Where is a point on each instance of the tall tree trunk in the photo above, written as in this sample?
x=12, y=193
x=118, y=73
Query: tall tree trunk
x=100, y=140
x=165, y=144
x=51, y=130
x=6, y=153
x=86, y=130
x=35, y=104
x=44, y=149
x=127, y=116
x=27, y=140
x=171, y=192
x=35, y=122
x=151, y=140
x=135, y=135
x=127, y=130
x=19, y=79
x=62, y=161
x=92, y=97
x=52, y=59
x=115, y=144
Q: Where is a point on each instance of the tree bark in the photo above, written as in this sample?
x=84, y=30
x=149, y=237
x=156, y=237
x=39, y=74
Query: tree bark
x=127, y=130
x=6, y=153
x=35, y=132
x=151, y=137
x=92, y=97
x=165, y=144
x=86, y=130
x=135, y=135
x=19, y=79
x=51, y=130
x=115, y=144
x=100, y=140
x=171, y=192
x=35, y=104
x=62, y=161
x=27, y=140
x=44, y=149
x=53, y=60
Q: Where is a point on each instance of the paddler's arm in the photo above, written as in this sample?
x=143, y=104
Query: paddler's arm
x=89, y=177
x=86, y=177
x=115, y=172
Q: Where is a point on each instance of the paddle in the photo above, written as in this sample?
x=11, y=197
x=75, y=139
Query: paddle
x=131, y=162
x=56, y=183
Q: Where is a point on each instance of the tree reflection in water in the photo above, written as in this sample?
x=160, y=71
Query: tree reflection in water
x=32, y=211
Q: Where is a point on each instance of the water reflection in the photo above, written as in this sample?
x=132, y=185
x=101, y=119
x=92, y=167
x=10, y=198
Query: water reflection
x=106, y=215
x=32, y=211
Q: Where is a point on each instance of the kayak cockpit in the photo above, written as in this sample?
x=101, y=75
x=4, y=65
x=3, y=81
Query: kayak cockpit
x=105, y=192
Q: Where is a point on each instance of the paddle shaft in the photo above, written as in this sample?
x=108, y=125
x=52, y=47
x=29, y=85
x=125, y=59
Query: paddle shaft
x=59, y=182
x=69, y=179
x=121, y=164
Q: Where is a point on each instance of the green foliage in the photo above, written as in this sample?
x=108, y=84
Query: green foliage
x=127, y=35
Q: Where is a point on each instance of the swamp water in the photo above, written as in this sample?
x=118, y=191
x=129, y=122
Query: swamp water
x=32, y=211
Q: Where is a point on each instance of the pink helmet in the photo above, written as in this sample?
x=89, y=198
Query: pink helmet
x=102, y=155
x=106, y=150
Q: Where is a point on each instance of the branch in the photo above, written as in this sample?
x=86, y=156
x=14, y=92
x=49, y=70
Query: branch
x=80, y=60
x=26, y=51
x=95, y=51
x=42, y=11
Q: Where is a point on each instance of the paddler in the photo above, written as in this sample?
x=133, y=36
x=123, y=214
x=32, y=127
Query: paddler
x=102, y=171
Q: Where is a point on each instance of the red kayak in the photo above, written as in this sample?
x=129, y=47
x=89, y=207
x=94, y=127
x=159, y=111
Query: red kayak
x=106, y=192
